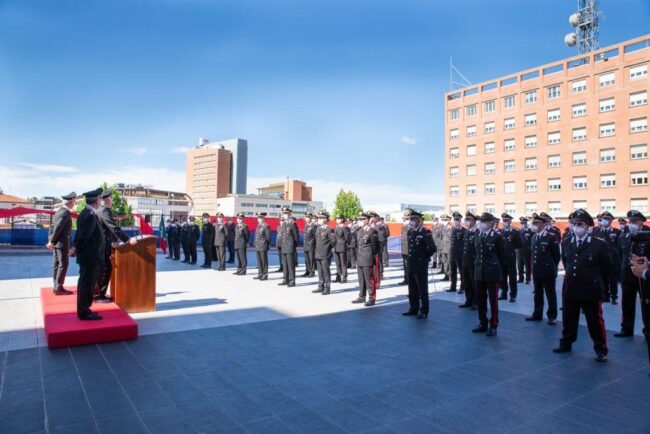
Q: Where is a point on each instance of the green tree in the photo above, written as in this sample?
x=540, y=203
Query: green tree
x=347, y=204
x=120, y=207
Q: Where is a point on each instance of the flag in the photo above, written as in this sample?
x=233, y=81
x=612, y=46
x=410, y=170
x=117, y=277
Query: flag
x=163, y=234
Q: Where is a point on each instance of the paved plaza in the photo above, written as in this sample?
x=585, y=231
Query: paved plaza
x=224, y=353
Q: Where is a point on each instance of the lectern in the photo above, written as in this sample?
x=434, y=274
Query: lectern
x=133, y=282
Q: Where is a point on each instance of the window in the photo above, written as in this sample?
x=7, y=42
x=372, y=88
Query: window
x=509, y=145
x=553, y=138
x=639, y=204
x=554, y=207
x=471, y=110
x=489, y=127
x=639, y=178
x=471, y=150
x=471, y=169
x=453, y=134
x=607, y=155
x=490, y=188
x=531, y=163
x=489, y=207
x=531, y=119
x=509, y=101
x=453, y=172
x=579, y=86
x=489, y=168
x=454, y=114
x=471, y=190
x=453, y=208
x=509, y=166
x=510, y=208
x=471, y=208
x=471, y=131
x=554, y=184
x=579, y=134
x=579, y=182
x=638, y=125
x=531, y=207
x=638, y=72
x=608, y=180
x=607, y=79
x=608, y=205
x=509, y=187
x=579, y=110
x=509, y=123
x=608, y=130
x=553, y=91
x=489, y=147
x=638, y=152
x=454, y=153
x=579, y=158
x=553, y=115
x=579, y=204
x=530, y=97
x=531, y=141
x=454, y=191
x=607, y=105
x=553, y=161
x=490, y=106
x=531, y=186
x=638, y=98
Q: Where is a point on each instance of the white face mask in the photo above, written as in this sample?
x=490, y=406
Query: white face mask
x=339, y=221
x=506, y=225
x=604, y=223
x=307, y=219
x=363, y=223
x=580, y=231
x=406, y=222
x=413, y=224
x=219, y=220
x=484, y=226
x=286, y=217
x=457, y=222
x=205, y=220
x=240, y=221
x=321, y=221
x=633, y=227
x=534, y=228
x=260, y=221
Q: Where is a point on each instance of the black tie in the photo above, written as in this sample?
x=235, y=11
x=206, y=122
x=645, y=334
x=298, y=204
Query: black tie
x=579, y=242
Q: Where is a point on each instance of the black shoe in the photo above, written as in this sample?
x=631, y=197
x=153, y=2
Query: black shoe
x=491, y=332
x=62, y=291
x=446, y=279
x=461, y=292
x=503, y=297
x=283, y=283
x=264, y=278
x=551, y=321
x=527, y=282
x=410, y=313
x=520, y=281
x=344, y=280
x=305, y=274
x=480, y=329
x=337, y=280
x=533, y=318
x=326, y=292
x=103, y=300
x=451, y=290
x=474, y=307
x=316, y=291
x=312, y=275
x=193, y=263
x=257, y=277
x=279, y=270
x=607, y=300
x=205, y=266
x=513, y=299
x=291, y=285
x=403, y=282
x=370, y=303
x=601, y=357
x=614, y=302
x=465, y=305
x=237, y=273
x=91, y=316
x=422, y=316
x=562, y=349
x=623, y=334
x=359, y=300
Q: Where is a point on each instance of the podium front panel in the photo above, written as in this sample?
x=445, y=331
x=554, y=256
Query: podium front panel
x=134, y=278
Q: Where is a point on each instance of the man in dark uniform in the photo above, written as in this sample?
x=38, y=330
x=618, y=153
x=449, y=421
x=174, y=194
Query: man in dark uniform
x=381, y=236
x=404, y=241
x=551, y=227
x=170, y=240
x=611, y=236
x=207, y=241
x=587, y=263
x=193, y=235
x=242, y=235
x=112, y=233
x=289, y=244
x=456, y=251
x=420, y=249
x=324, y=242
x=262, y=244
x=446, y=230
x=89, y=249
x=437, y=238
x=342, y=238
x=177, y=239
x=230, y=230
x=468, y=262
x=309, y=244
x=384, y=243
x=641, y=270
x=221, y=241
x=279, y=233
x=59, y=240
x=184, y=235
x=488, y=268
x=511, y=243
x=622, y=225
x=630, y=284
x=523, y=253
x=352, y=245
x=545, y=253
x=367, y=250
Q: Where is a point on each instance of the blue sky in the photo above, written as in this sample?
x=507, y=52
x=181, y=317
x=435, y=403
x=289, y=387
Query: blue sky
x=341, y=93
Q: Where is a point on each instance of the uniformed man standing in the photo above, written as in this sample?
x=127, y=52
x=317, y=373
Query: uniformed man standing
x=545, y=254
x=262, y=244
x=622, y=225
x=324, y=242
x=170, y=239
x=446, y=247
x=488, y=268
x=59, y=240
x=367, y=250
x=221, y=241
x=511, y=243
x=468, y=262
x=352, y=245
x=375, y=223
x=177, y=239
x=437, y=238
x=184, y=235
x=404, y=241
x=89, y=249
x=523, y=253
x=611, y=236
x=383, y=239
x=242, y=235
x=207, y=241
x=309, y=244
x=420, y=249
x=587, y=263
x=193, y=235
x=230, y=231
x=278, y=244
x=289, y=244
x=342, y=238
x=456, y=246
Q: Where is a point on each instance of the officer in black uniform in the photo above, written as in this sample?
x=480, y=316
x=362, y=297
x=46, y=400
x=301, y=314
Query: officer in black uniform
x=456, y=251
x=524, y=252
x=230, y=231
x=207, y=240
x=89, y=249
x=242, y=235
x=278, y=244
x=375, y=223
x=468, y=262
x=420, y=249
x=184, y=235
x=611, y=236
x=405, y=245
x=169, y=237
x=622, y=225
x=289, y=244
x=511, y=243
x=221, y=241
x=193, y=235
x=384, y=247
x=176, y=236
x=309, y=244
x=352, y=245
x=324, y=243
x=545, y=254
x=587, y=263
x=488, y=268
x=342, y=238
x=58, y=240
x=262, y=244
x=367, y=250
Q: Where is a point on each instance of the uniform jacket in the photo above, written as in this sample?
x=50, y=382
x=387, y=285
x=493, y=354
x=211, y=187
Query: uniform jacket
x=208, y=235
x=526, y=236
x=611, y=237
x=112, y=232
x=545, y=255
x=469, y=252
x=367, y=246
x=342, y=237
x=405, y=239
x=230, y=230
x=325, y=241
x=446, y=239
x=89, y=241
x=353, y=237
x=193, y=233
x=262, y=237
x=639, y=248
x=278, y=235
x=184, y=232
x=488, y=265
x=586, y=269
x=290, y=237
x=173, y=233
x=437, y=236
x=421, y=247
x=382, y=233
x=220, y=234
x=60, y=232
x=456, y=242
x=511, y=242
x=309, y=241
x=242, y=235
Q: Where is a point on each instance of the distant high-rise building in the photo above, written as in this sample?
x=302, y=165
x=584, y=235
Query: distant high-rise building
x=207, y=177
x=289, y=190
x=239, y=166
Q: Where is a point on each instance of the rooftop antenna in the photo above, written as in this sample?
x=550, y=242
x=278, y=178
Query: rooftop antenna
x=455, y=75
x=585, y=20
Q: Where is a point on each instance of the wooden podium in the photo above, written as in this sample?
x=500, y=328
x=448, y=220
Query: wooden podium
x=133, y=282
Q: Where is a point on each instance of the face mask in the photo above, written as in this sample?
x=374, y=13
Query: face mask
x=287, y=217
x=457, y=222
x=321, y=221
x=580, y=231
x=220, y=220
x=467, y=223
x=604, y=223
x=483, y=226
x=260, y=221
x=413, y=224
x=362, y=223
x=307, y=219
x=634, y=228
x=406, y=222
x=339, y=221
x=240, y=221
x=534, y=228
x=506, y=225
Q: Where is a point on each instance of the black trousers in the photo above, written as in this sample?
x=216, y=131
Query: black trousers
x=221, y=257
x=378, y=260
x=352, y=257
x=365, y=285
x=324, y=274
x=170, y=247
x=509, y=280
x=281, y=269
x=629, y=294
x=341, y=265
x=262, y=262
x=310, y=265
x=405, y=265
x=289, y=267
x=193, y=255
x=384, y=255
x=60, y=262
x=207, y=253
x=104, y=273
x=469, y=284
x=86, y=286
x=524, y=264
x=645, y=314
x=455, y=266
x=595, y=324
x=419, y=291
x=545, y=287
x=488, y=291
x=242, y=260
x=611, y=285
x=231, y=251
x=186, y=251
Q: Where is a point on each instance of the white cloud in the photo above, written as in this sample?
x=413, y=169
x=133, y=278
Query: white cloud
x=49, y=168
x=408, y=140
x=138, y=150
x=180, y=150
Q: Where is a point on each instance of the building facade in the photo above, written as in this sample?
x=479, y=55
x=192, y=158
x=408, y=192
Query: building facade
x=565, y=135
x=154, y=203
x=289, y=189
x=207, y=176
x=251, y=204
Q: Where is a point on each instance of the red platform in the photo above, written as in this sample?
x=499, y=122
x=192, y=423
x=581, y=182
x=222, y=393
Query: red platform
x=64, y=329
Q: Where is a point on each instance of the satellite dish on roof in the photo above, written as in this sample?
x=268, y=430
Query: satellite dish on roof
x=571, y=39
x=574, y=19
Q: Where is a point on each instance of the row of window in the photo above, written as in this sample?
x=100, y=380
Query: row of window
x=555, y=207
x=552, y=92
x=636, y=125
x=607, y=155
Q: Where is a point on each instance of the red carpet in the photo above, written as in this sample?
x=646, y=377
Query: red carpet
x=64, y=329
